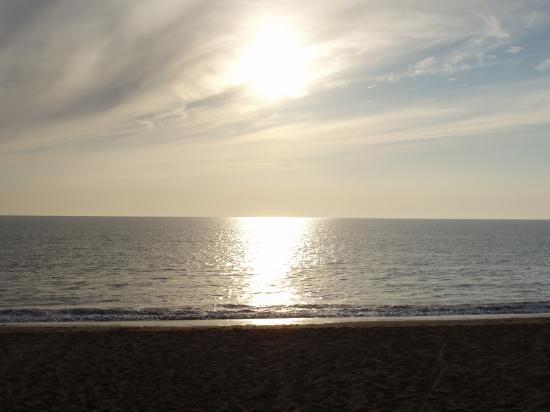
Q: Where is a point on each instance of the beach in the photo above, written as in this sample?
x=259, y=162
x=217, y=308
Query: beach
x=486, y=365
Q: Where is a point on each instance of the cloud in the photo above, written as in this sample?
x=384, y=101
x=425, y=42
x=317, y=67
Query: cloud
x=429, y=65
x=543, y=65
x=138, y=72
x=474, y=50
x=390, y=78
x=514, y=49
x=488, y=109
x=123, y=59
x=475, y=44
x=450, y=64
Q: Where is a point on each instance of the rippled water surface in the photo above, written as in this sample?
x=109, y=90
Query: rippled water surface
x=259, y=267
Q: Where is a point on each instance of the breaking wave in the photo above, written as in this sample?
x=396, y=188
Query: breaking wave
x=264, y=312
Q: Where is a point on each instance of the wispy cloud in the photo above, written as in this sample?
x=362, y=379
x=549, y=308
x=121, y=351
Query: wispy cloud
x=77, y=61
x=72, y=71
x=475, y=50
x=514, y=49
x=543, y=65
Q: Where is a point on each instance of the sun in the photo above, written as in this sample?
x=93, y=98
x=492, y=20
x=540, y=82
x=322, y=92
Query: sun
x=275, y=64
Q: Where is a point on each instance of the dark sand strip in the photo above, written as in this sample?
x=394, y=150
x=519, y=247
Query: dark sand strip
x=491, y=365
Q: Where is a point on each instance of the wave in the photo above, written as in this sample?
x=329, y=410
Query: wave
x=264, y=312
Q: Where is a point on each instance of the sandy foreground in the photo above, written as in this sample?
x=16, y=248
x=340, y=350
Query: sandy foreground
x=417, y=366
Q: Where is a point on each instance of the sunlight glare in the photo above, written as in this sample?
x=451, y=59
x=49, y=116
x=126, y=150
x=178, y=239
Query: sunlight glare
x=276, y=63
x=271, y=248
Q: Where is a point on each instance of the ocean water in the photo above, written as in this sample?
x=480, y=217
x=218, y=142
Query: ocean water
x=101, y=268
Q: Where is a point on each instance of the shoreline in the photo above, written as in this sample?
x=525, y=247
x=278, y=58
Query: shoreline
x=352, y=322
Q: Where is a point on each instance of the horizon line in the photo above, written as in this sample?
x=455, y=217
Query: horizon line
x=280, y=217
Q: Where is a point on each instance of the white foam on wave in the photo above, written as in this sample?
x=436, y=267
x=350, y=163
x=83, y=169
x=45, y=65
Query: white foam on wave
x=220, y=312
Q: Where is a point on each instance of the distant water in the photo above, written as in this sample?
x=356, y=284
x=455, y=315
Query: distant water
x=74, y=268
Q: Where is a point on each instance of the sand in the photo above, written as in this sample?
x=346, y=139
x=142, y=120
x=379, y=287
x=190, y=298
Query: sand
x=446, y=366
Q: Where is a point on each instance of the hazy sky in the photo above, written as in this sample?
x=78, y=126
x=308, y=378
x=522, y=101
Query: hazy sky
x=310, y=108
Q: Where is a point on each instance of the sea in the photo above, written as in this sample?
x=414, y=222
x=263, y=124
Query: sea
x=60, y=269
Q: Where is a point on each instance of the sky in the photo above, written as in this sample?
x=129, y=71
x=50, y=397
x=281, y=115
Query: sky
x=401, y=109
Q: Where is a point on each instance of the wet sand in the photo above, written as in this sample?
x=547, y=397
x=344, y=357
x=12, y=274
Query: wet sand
x=491, y=365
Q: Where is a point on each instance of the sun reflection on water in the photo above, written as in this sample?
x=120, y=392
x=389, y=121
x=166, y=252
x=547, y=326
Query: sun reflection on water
x=271, y=247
